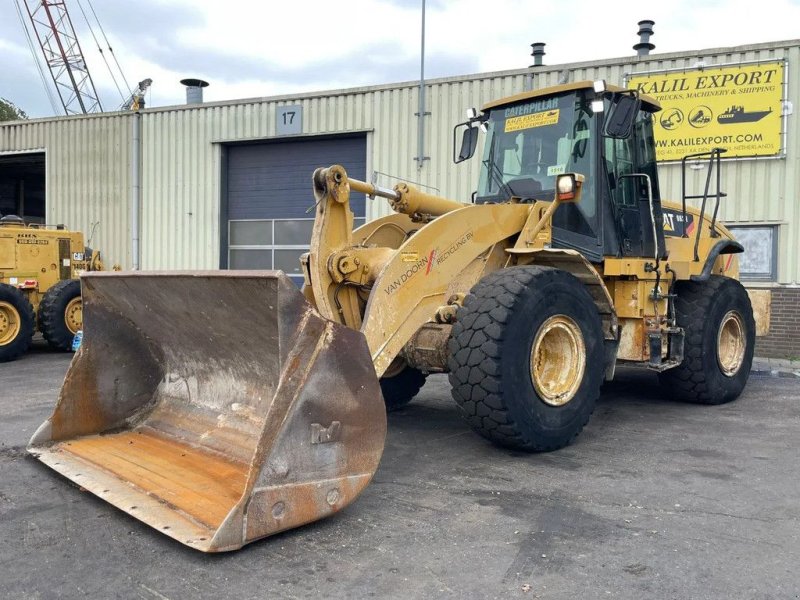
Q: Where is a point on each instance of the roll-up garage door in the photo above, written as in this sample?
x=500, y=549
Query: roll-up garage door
x=268, y=194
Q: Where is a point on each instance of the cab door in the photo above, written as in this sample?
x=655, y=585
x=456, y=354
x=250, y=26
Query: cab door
x=625, y=160
x=579, y=226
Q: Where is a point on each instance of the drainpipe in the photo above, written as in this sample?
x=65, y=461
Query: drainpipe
x=421, y=158
x=136, y=189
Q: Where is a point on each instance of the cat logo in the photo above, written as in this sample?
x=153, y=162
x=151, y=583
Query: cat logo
x=674, y=224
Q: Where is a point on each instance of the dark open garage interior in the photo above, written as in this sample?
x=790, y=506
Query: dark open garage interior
x=22, y=185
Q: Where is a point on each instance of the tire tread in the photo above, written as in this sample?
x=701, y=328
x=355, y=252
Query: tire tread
x=689, y=381
x=51, y=315
x=475, y=357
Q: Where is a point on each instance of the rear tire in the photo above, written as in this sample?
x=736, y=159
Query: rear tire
x=401, y=388
x=16, y=323
x=61, y=314
x=526, y=358
x=717, y=319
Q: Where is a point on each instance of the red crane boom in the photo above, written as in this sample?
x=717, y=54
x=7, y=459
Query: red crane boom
x=63, y=55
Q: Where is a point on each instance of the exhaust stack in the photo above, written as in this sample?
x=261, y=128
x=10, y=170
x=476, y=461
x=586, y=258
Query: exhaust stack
x=645, y=31
x=194, y=90
x=537, y=52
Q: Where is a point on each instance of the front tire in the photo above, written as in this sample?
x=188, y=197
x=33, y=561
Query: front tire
x=717, y=318
x=61, y=313
x=16, y=323
x=401, y=387
x=526, y=358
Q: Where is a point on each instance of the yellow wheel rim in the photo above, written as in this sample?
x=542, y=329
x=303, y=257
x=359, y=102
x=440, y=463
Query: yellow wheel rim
x=558, y=360
x=73, y=315
x=731, y=343
x=10, y=323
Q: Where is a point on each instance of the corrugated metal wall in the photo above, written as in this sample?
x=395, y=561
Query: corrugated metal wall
x=88, y=158
x=88, y=175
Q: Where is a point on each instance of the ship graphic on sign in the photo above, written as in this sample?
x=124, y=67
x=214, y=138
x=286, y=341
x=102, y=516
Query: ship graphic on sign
x=737, y=114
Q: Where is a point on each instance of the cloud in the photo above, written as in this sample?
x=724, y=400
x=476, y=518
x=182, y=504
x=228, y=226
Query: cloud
x=142, y=19
x=250, y=49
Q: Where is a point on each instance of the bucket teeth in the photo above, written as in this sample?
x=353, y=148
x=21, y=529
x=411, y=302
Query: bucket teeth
x=217, y=407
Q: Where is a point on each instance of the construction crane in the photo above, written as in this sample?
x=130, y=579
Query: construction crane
x=136, y=100
x=56, y=36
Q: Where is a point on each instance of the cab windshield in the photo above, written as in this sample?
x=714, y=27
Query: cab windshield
x=528, y=144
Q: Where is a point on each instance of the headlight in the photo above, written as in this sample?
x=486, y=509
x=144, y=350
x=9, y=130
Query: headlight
x=566, y=184
x=568, y=187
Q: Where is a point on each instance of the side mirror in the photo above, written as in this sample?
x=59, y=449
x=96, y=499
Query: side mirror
x=469, y=141
x=620, y=119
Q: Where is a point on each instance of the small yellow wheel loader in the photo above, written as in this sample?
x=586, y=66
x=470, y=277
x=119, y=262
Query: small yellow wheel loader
x=39, y=285
x=223, y=407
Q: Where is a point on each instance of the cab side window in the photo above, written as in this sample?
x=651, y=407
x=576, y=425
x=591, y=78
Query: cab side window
x=620, y=162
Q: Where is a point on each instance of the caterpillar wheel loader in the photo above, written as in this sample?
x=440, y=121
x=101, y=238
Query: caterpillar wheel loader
x=223, y=407
x=39, y=284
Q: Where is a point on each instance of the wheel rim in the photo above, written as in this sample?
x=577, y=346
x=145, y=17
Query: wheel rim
x=73, y=315
x=558, y=360
x=731, y=343
x=10, y=323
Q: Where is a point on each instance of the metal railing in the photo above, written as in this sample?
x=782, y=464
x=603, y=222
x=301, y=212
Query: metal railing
x=714, y=156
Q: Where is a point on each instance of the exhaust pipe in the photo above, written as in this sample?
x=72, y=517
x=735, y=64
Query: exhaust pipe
x=194, y=90
x=644, y=46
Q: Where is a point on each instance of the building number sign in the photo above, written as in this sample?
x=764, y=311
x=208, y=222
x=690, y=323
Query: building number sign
x=289, y=120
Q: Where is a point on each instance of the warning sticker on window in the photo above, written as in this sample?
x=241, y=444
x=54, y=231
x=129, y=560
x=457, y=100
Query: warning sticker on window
x=547, y=117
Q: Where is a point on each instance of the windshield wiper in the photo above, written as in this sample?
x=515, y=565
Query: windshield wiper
x=497, y=175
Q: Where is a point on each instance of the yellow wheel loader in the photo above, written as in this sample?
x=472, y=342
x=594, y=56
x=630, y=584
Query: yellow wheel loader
x=223, y=407
x=39, y=285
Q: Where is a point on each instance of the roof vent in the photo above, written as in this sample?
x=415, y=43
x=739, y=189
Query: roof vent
x=194, y=90
x=537, y=53
x=645, y=31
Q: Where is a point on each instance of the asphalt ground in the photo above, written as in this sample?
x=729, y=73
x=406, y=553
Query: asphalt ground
x=655, y=499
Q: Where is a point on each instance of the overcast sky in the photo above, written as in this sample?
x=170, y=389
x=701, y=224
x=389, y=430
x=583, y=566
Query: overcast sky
x=263, y=48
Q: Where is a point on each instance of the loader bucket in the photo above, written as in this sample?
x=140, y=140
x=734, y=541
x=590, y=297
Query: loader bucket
x=217, y=407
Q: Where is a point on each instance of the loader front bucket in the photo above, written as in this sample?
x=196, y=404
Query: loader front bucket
x=217, y=407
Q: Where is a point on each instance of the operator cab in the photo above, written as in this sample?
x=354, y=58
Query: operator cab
x=536, y=136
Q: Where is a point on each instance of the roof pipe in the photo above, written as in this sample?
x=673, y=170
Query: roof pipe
x=537, y=52
x=194, y=90
x=645, y=31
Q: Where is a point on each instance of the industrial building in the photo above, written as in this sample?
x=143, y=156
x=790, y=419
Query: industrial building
x=228, y=184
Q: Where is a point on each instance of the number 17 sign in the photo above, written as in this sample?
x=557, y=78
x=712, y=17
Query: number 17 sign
x=289, y=119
